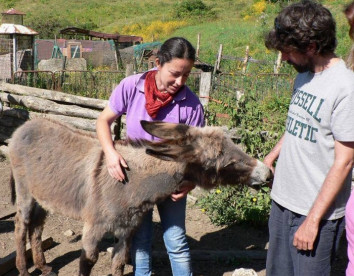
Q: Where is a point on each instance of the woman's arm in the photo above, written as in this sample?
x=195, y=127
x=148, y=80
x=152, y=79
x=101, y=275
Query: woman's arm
x=115, y=161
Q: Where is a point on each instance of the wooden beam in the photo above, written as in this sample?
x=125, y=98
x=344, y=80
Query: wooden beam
x=47, y=106
x=19, y=116
x=8, y=213
x=52, y=95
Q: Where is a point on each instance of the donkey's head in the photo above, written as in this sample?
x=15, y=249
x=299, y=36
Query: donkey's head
x=208, y=148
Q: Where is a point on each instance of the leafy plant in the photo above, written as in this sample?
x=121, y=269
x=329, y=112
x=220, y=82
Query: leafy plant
x=229, y=205
x=260, y=120
x=193, y=8
x=155, y=30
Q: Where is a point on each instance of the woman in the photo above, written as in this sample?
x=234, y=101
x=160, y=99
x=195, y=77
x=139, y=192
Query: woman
x=159, y=94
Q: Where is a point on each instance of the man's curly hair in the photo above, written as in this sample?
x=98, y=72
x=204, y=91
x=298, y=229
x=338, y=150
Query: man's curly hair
x=301, y=24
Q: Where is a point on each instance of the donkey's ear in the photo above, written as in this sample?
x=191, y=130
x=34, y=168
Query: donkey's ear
x=168, y=150
x=165, y=130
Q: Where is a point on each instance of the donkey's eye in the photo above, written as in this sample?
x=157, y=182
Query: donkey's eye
x=231, y=163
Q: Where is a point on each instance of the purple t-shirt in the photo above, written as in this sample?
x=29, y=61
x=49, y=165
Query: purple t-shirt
x=128, y=97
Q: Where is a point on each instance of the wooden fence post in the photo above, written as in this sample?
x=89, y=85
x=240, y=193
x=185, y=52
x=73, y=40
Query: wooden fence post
x=245, y=61
x=129, y=70
x=205, y=87
x=218, y=60
x=198, y=45
x=278, y=63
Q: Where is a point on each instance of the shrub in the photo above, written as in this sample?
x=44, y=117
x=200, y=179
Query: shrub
x=193, y=8
x=155, y=31
x=240, y=204
x=260, y=120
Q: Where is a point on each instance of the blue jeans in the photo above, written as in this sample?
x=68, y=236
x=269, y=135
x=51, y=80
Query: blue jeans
x=284, y=259
x=172, y=215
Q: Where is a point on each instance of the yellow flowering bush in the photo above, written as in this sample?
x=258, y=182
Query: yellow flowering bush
x=259, y=7
x=155, y=30
x=255, y=10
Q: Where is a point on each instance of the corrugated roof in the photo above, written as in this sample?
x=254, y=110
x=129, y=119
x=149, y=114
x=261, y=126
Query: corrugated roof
x=13, y=11
x=118, y=37
x=16, y=29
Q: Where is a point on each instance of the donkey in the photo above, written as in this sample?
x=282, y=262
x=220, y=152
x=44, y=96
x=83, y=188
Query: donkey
x=58, y=168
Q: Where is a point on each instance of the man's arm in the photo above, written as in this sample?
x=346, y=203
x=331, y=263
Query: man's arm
x=343, y=162
x=273, y=155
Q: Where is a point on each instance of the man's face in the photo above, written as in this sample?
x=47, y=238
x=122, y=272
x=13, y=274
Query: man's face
x=300, y=61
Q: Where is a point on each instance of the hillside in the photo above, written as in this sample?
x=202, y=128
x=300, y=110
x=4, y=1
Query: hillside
x=234, y=24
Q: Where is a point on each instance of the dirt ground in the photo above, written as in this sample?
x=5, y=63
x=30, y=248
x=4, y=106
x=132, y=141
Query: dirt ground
x=216, y=251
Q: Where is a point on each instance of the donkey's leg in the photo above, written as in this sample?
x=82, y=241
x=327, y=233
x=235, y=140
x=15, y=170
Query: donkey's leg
x=20, y=241
x=35, y=235
x=24, y=208
x=120, y=255
x=89, y=256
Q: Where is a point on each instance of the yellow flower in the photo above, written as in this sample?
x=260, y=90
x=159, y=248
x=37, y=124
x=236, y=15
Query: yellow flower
x=203, y=210
x=246, y=17
x=218, y=191
x=254, y=199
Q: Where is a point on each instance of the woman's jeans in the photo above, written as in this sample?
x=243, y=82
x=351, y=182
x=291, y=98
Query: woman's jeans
x=172, y=215
x=284, y=259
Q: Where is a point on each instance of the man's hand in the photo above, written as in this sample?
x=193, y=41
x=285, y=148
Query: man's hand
x=305, y=236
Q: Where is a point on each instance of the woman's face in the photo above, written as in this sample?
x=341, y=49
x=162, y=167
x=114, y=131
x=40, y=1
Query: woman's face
x=173, y=74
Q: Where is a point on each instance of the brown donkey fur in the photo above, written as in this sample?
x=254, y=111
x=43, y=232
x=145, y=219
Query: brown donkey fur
x=60, y=169
x=349, y=13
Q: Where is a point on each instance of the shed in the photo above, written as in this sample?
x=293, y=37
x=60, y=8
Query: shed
x=16, y=44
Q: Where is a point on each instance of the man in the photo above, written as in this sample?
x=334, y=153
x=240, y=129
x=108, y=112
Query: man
x=313, y=173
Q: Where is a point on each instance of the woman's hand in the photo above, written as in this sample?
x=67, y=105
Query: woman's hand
x=115, y=162
x=115, y=165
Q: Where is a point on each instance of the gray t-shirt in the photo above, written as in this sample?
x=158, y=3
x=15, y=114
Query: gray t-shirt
x=321, y=111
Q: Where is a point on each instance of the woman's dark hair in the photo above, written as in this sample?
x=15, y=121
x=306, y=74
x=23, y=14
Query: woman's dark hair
x=302, y=24
x=175, y=47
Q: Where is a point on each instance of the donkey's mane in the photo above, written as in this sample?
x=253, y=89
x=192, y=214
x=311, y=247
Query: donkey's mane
x=139, y=143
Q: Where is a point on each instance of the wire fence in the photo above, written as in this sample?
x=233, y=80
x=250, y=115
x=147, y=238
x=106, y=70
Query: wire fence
x=91, y=84
x=231, y=87
x=225, y=87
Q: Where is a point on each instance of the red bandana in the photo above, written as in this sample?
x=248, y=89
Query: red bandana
x=155, y=99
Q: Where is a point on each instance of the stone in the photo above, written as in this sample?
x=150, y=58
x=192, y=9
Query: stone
x=244, y=272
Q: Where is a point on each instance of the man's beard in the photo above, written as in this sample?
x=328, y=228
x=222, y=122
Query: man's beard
x=302, y=68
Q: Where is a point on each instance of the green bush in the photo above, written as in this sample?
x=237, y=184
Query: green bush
x=240, y=204
x=260, y=120
x=193, y=8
